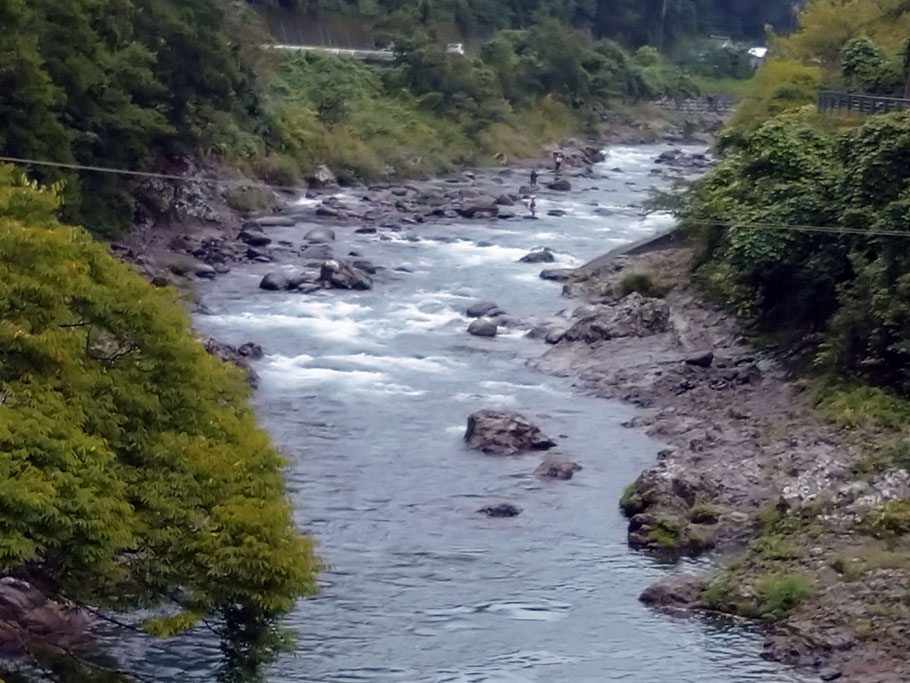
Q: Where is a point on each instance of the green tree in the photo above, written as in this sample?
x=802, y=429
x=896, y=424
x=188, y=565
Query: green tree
x=133, y=472
x=867, y=67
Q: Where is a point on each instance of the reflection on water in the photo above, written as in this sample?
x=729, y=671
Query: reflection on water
x=367, y=395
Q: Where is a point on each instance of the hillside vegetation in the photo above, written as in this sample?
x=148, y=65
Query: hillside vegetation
x=139, y=83
x=785, y=165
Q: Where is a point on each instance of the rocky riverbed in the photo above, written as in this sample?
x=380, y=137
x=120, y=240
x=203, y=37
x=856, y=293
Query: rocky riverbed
x=350, y=308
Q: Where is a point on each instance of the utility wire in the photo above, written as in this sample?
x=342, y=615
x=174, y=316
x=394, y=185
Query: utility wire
x=831, y=230
x=143, y=174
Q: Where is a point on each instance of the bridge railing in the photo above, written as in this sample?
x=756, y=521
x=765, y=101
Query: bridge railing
x=706, y=104
x=831, y=102
x=362, y=55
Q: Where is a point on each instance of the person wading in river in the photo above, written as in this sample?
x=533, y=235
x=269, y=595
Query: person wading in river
x=533, y=177
x=558, y=158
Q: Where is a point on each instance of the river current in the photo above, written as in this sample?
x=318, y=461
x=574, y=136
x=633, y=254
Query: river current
x=367, y=394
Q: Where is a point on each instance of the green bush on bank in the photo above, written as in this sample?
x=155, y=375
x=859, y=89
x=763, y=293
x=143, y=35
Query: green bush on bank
x=133, y=469
x=849, y=290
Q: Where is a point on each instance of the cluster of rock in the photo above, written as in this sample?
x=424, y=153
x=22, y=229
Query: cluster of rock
x=498, y=432
x=670, y=512
x=241, y=356
x=680, y=159
x=633, y=316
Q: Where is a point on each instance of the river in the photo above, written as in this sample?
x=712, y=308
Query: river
x=367, y=394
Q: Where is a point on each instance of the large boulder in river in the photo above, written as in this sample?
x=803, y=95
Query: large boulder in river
x=274, y=282
x=504, y=433
x=538, y=256
x=634, y=316
x=501, y=510
x=341, y=275
x=561, y=185
x=254, y=238
x=320, y=236
x=675, y=593
x=558, y=274
x=475, y=211
x=483, y=328
x=482, y=308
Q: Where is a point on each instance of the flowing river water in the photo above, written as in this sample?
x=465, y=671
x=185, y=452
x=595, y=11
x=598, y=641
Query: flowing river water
x=367, y=394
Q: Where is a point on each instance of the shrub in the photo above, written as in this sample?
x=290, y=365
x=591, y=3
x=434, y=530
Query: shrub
x=716, y=595
x=780, y=594
x=704, y=513
x=631, y=502
x=666, y=533
x=643, y=283
x=780, y=85
x=893, y=520
x=249, y=199
x=278, y=169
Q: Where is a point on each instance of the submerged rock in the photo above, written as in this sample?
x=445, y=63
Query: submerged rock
x=504, y=433
x=538, y=256
x=483, y=328
x=557, y=468
x=320, y=236
x=558, y=274
x=274, y=282
x=501, y=510
x=675, y=592
x=482, y=308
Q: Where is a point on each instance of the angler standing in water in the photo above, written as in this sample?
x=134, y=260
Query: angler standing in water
x=533, y=177
x=557, y=161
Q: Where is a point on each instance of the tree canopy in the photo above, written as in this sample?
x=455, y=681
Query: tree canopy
x=114, y=84
x=849, y=290
x=133, y=472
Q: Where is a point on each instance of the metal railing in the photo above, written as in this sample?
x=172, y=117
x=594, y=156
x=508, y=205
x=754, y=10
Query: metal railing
x=830, y=102
x=706, y=104
x=362, y=55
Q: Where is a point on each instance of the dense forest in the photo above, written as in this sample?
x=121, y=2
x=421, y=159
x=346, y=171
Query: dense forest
x=137, y=83
x=843, y=294
x=631, y=22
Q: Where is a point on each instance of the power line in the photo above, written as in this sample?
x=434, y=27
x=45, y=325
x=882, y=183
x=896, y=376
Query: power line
x=831, y=230
x=143, y=174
